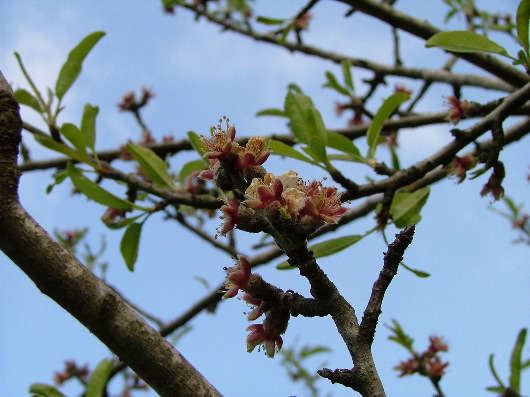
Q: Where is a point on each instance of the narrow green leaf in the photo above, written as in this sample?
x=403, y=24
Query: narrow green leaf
x=124, y=222
x=317, y=135
x=270, y=21
x=25, y=97
x=515, y=362
x=332, y=246
x=59, y=177
x=286, y=32
x=346, y=73
x=271, y=112
x=281, y=149
x=334, y=84
x=153, y=166
x=498, y=390
x=384, y=112
x=188, y=168
x=73, y=65
x=406, y=207
x=95, y=192
x=44, y=390
x=340, y=142
x=52, y=144
x=522, y=18
x=296, y=106
x=197, y=144
x=465, y=41
x=494, y=372
x=129, y=244
x=88, y=125
x=515, y=210
x=310, y=351
x=400, y=336
x=328, y=247
x=99, y=378
x=395, y=159
x=74, y=135
x=416, y=272
x=347, y=157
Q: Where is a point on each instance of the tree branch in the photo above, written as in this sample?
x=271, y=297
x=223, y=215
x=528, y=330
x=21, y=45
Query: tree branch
x=64, y=279
x=425, y=30
x=393, y=257
x=445, y=154
x=383, y=70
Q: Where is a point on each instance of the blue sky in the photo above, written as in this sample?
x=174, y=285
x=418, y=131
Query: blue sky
x=477, y=296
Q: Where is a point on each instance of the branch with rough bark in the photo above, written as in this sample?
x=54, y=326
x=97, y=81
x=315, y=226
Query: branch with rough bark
x=75, y=288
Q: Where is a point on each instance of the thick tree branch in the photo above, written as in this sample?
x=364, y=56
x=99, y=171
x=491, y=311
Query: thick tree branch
x=64, y=279
x=425, y=30
x=380, y=69
x=445, y=154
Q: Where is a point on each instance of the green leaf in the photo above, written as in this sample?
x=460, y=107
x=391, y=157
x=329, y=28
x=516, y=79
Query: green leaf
x=317, y=135
x=73, y=65
x=296, y=106
x=326, y=248
x=286, y=32
x=332, y=246
x=271, y=112
x=515, y=210
x=95, y=192
x=334, y=84
x=129, y=244
x=281, y=149
x=494, y=373
x=310, y=351
x=124, y=222
x=340, y=142
x=522, y=18
x=270, y=21
x=465, y=41
x=52, y=144
x=515, y=362
x=99, y=378
x=406, y=207
x=45, y=390
x=153, y=166
x=418, y=273
x=384, y=112
x=24, y=97
x=346, y=72
x=395, y=159
x=88, y=125
x=76, y=138
x=400, y=337
x=59, y=177
x=197, y=144
x=188, y=168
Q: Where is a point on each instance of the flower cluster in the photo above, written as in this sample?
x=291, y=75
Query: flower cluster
x=72, y=370
x=457, y=109
x=289, y=201
x=459, y=166
x=494, y=184
x=269, y=333
x=129, y=103
x=427, y=363
x=224, y=152
x=238, y=277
